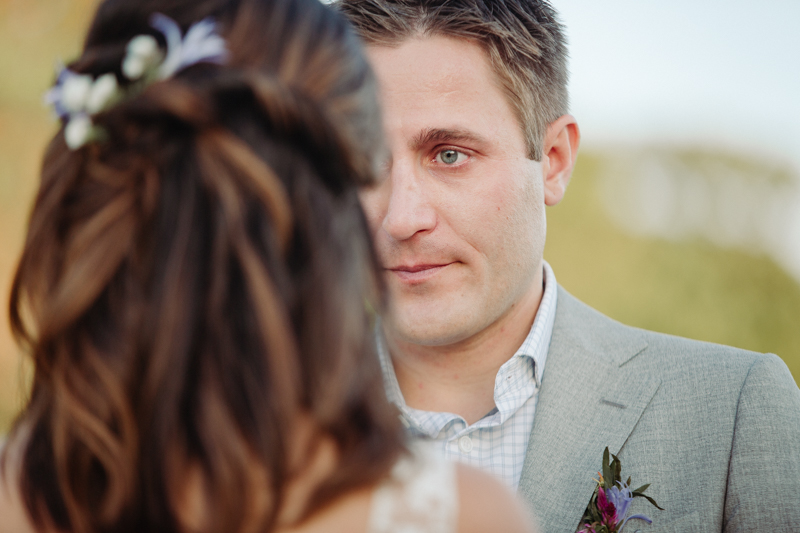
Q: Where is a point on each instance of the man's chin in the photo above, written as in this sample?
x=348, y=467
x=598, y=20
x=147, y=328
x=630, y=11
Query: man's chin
x=423, y=330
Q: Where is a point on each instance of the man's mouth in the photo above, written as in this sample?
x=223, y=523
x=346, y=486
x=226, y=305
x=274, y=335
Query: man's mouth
x=417, y=273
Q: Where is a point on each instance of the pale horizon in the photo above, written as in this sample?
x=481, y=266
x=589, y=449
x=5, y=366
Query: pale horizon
x=711, y=74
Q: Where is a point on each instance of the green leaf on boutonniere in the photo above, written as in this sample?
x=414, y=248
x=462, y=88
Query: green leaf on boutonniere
x=608, y=472
x=636, y=494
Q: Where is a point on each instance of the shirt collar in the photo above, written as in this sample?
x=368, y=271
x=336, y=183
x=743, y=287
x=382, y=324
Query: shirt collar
x=537, y=343
x=535, y=346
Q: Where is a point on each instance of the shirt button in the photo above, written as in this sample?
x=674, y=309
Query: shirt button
x=465, y=444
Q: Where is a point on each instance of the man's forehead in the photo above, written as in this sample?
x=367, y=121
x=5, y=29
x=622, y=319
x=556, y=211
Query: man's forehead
x=433, y=59
x=439, y=88
x=432, y=71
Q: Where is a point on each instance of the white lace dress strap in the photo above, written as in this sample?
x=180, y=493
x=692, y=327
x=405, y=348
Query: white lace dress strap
x=420, y=496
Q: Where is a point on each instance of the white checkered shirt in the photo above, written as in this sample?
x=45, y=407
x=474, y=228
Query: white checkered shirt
x=498, y=441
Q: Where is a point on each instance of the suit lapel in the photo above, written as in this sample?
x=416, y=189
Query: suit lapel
x=588, y=400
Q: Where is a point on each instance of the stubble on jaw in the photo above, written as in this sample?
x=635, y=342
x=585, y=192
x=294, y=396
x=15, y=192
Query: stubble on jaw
x=428, y=318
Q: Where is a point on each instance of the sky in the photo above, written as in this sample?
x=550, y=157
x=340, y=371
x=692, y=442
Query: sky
x=723, y=74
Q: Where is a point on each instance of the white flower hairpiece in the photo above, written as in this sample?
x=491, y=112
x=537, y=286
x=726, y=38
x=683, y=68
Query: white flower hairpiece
x=77, y=97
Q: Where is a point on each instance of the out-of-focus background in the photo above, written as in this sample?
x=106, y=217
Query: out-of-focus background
x=683, y=214
x=34, y=34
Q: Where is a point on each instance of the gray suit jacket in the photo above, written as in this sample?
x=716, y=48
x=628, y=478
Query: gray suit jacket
x=715, y=430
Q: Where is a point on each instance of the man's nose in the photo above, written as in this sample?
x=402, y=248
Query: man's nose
x=410, y=210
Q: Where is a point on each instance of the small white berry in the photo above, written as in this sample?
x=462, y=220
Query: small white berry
x=75, y=91
x=142, y=53
x=102, y=93
x=78, y=130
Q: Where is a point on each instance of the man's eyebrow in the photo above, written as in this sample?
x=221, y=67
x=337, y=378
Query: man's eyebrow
x=442, y=135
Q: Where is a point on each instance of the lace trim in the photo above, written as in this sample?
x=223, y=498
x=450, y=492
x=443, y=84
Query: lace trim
x=419, y=497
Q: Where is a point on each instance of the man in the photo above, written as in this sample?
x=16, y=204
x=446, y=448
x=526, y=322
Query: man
x=483, y=352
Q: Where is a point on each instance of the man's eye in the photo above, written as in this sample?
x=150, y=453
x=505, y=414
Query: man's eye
x=450, y=157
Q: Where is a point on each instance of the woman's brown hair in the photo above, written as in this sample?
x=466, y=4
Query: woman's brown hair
x=195, y=283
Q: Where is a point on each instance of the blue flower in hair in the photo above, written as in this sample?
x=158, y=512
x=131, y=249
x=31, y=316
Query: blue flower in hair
x=77, y=97
x=201, y=44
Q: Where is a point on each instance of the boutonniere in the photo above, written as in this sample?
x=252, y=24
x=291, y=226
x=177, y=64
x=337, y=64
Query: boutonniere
x=608, y=509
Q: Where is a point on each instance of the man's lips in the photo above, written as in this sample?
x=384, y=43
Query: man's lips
x=417, y=273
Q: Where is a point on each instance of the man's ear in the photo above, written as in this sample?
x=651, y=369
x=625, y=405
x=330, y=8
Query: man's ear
x=561, y=143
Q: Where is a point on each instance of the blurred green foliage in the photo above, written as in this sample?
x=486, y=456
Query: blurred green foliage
x=691, y=289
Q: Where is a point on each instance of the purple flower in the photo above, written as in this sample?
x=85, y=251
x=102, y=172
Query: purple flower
x=613, y=505
x=639, y=516
x=610, y=504
x=201, y=43
x=607, y=509
x=621, y=498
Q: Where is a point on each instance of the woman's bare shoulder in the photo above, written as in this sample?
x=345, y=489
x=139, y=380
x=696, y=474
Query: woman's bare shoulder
x=12, y=509
x=347, y=515
x=487, y=505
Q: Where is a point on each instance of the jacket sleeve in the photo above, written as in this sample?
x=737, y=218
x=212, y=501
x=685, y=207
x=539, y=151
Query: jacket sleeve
x=763, y=491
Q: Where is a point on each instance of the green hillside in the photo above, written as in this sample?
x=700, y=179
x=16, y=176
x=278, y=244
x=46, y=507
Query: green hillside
x=692, y=289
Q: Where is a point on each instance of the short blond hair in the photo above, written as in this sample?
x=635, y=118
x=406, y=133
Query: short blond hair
x=523, y=39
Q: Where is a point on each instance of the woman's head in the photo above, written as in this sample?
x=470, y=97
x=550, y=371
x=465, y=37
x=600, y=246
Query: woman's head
x=194, y=282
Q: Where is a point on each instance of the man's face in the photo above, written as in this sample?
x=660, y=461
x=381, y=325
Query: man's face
x=459, y=222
